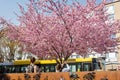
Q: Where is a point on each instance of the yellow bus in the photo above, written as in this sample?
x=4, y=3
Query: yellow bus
x=77, y=64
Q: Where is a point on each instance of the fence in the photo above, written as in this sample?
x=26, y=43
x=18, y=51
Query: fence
x=110, y=75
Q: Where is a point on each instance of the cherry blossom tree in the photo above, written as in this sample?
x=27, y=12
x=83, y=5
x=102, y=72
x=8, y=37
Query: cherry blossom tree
x=57, y=28
x=8, y=48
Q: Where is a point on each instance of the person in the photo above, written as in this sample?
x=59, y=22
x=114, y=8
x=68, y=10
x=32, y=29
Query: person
x=58, y=67
x=32, y=68
x=65, y=67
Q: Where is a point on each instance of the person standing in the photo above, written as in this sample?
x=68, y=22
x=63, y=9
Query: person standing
x=65, y=67
x=58, y=67
x=32, y=68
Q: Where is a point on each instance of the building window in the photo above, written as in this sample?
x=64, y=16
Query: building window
x=111, y=17
x=111, y=57
x=110, y=9
x=113, y=36
x=110, y=12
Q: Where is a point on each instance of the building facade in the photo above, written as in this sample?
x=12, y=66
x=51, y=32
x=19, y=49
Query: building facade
x=113, y=59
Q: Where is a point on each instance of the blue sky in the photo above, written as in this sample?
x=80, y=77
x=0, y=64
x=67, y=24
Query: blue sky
x=8, y=8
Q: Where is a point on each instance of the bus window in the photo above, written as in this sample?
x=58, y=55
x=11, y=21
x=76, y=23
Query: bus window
x=47, y=69
x=86, y=66
x=1, y=71
x=7, y=69
x=23, y=69
x=42, y=69
x=16, y=69
x=52, y=68
x=96, y=64
x=13, y=70
x=79, y=67
x=72, y=68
